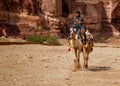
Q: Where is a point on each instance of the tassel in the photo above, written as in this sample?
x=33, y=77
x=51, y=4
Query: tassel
x=69, y=49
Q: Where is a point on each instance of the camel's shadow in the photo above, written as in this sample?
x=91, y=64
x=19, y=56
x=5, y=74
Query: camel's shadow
x=98, y=68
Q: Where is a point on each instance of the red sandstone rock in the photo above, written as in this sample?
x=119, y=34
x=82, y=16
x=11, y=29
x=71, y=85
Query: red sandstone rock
x=98, y=14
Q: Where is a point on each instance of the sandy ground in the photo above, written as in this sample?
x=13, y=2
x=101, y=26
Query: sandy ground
x=39, y=65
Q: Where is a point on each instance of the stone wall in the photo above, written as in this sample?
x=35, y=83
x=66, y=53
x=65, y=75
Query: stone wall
x=99, y=15
x=21, y=17
x=49, y=7
x=19, y=24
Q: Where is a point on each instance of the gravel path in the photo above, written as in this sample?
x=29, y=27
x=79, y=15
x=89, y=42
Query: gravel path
x=38, y=65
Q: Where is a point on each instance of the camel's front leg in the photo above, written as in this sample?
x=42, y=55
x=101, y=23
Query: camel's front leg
x=76, y=60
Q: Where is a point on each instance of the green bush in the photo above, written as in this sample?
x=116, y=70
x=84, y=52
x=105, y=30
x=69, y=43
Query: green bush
x=43, y=40
x=36, y=39
x=52, y=40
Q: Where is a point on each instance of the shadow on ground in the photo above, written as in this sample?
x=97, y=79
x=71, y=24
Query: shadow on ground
x=97, y=69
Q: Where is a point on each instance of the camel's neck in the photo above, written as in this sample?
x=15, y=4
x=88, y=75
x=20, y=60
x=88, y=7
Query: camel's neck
x=72, y=42
x=90, y=47
x=75, y=43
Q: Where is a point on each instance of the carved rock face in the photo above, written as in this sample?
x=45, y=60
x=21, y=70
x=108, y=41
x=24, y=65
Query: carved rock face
x=21, y=5
x=98, y=14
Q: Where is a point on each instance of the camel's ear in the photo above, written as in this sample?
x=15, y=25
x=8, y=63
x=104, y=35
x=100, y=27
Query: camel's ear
x=87, y=32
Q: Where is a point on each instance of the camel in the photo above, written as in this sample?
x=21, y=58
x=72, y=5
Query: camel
x=76, y=43
x=88, y=48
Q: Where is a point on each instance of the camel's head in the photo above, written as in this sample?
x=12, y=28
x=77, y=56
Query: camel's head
x=72, y=33
x=90, y=41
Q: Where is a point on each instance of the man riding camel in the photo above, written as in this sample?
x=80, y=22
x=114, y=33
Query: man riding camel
x=78, y=25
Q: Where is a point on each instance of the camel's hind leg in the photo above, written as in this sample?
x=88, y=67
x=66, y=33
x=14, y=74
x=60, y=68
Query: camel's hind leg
x=85, y=56
x=86, y=63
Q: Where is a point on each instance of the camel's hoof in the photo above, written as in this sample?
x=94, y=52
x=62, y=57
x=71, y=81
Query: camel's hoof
x=85, y=67
x=74, y=70
x=78, y=67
